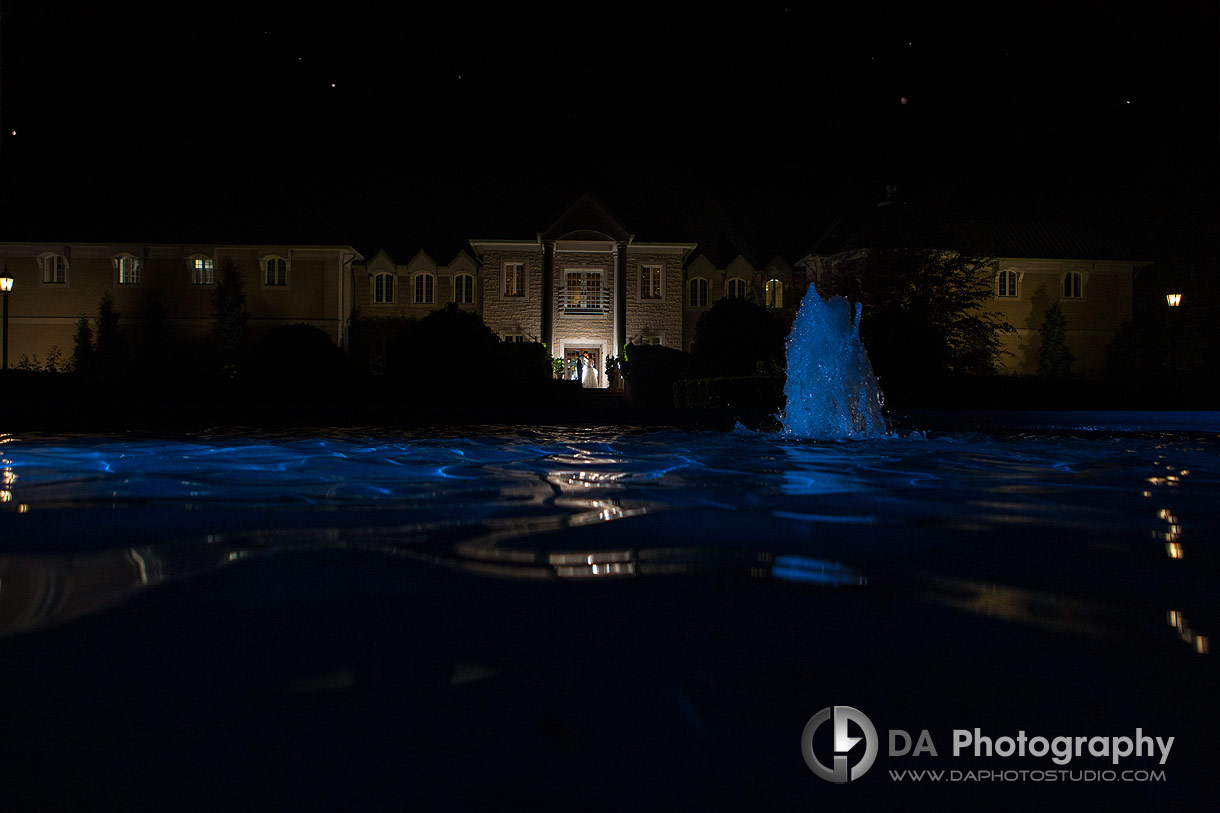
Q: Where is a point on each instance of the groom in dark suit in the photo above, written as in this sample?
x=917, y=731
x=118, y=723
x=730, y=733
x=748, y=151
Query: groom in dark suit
x=580, y=368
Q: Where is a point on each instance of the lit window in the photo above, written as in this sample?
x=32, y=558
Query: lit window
x=737, y=287
x=463, y=289
x=653, y=340
x=1073, y=285
x=383, y=288
x=424, y=287
x=514, y=279
x=129, y=270
x=55, y=269
x=204, y=271
x=698, y=293
x=650, y=281
x=775, y=293
x=583, y=290
x=276, y=271
x=1006, y=283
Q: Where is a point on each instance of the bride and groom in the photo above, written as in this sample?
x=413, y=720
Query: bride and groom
x=585, y=372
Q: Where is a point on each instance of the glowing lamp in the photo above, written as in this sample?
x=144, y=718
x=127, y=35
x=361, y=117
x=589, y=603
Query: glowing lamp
x=1174, y=300
x=6, y=285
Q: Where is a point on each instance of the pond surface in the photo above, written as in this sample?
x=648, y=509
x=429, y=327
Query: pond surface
x=598, y=617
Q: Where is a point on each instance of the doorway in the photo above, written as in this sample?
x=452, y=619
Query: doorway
x=571, y=354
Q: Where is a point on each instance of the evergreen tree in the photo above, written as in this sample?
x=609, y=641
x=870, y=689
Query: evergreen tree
x=1054, y=358
x=82, y=347
x=230, y=319
x=108, y=344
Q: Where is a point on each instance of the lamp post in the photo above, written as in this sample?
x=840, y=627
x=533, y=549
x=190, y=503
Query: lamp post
x=6, y=285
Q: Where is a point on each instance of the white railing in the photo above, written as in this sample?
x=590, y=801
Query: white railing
x=584, y=300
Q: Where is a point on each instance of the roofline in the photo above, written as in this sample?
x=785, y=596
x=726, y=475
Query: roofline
x=484, y=242
x=178, y=244
x=997, y=257
x=683, y=246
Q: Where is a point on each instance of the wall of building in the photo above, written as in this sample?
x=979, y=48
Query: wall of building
x=43, y=314
x=794, y=288
x=1092, y=319
x=660, y=318
x=583, y=329
x=513, y=315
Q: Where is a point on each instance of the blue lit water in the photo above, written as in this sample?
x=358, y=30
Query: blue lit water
x=585, y=617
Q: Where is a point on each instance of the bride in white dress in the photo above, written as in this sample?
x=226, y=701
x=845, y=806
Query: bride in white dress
x=588, y=378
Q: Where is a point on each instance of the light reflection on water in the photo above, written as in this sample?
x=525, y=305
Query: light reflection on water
x=1063, y=532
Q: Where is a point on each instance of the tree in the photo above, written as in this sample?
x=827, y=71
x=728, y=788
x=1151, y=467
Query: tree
x=1054, y=358
x=230, y=319
x=942, y=293
x=82, y=347
x=734, y=337
x=109, y=348
x=446, y=357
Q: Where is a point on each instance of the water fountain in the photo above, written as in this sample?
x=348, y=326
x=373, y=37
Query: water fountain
x=831, y=392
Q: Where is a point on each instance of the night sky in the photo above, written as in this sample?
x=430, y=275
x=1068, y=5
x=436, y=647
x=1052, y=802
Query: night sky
x=754, y=127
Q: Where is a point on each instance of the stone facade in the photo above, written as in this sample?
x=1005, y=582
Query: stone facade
x=506, y=314
x=661, y=319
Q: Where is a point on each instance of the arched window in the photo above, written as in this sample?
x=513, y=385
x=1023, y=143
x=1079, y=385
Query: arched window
x=203, y=270
x=737, y=287
x=775, y=293
x=275, y=271
x=463, y=289
x=425, y=287
x=698, y=293
x=1006, y=283
x=383, y=288
x=1073, y=285
x=129, y=269
x=55, y=269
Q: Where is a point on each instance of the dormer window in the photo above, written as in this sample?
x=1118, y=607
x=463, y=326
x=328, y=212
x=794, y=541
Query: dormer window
x=737, y=288
x=775, y=293
x=129, y=269
x=203, y=271
x=463, y=289
x=383, y=288
x=55, y=269
x=1006, y=284
x=275, y=272
x=698, y=293
x=1073, y=285
x=425, y=289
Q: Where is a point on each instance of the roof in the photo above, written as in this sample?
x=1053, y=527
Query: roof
x=587, y=219
x=894, y=224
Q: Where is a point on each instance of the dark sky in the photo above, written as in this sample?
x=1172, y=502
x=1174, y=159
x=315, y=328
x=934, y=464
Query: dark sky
x=754, y=126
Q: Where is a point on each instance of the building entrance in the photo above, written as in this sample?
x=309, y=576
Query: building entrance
x=592, y=359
